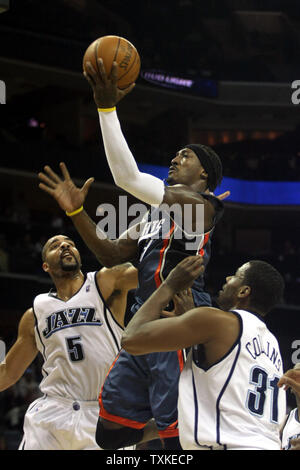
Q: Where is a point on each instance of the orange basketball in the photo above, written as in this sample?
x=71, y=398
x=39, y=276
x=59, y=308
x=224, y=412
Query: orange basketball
x=115, y=48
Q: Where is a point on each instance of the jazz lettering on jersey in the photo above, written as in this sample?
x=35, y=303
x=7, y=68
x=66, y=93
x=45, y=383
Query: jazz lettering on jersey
x=70, y=317
x=256, y=347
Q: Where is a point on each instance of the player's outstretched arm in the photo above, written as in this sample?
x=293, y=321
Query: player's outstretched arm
x=124, y=169
x=21, y=354
x=70, y=198
x=146, y=332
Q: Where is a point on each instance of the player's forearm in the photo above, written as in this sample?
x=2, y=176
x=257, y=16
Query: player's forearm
x=105, y=250
x=6, y=380
x=135, y=332
x=124, y=169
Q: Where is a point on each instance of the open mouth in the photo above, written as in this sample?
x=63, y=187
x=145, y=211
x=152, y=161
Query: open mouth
x=172, y=168
x=67, y=255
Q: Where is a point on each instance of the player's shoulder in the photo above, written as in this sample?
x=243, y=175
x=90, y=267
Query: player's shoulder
x=213, y=313
x=226, y=320
x=43, y=296
x=27, y=321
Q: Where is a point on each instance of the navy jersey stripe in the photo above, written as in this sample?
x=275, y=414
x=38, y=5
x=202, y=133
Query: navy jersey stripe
x=39, y=335
x=222, y=392
x=196, y=411
x=111, y=331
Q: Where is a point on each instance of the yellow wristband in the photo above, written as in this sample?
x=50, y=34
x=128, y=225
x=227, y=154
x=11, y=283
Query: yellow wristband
x=70, y=214
x=107, y=110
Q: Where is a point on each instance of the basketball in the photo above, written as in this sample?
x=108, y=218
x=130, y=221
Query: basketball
x=115, y=48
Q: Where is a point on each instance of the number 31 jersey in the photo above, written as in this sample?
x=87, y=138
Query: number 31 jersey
x=235, y=403
x=78, y=339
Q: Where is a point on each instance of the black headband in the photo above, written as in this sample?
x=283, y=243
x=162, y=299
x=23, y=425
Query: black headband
x=210, y=162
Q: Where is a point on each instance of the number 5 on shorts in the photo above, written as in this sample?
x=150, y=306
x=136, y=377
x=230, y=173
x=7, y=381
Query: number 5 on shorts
x=75, y=349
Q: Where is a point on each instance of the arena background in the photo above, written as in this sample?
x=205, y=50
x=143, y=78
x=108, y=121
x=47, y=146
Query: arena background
x=218, y=72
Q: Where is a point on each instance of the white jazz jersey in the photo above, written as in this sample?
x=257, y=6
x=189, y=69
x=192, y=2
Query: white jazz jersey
x=235, y=404
x=78, y=339
x=291, y=429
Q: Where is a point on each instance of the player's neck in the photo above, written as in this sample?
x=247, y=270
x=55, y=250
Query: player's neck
x=68, y=285
x=199, y=187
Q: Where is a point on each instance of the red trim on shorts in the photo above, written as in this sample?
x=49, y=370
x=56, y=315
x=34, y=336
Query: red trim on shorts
x=170, y=431
x=118, y=419
x=161, y=255
x=114, y=418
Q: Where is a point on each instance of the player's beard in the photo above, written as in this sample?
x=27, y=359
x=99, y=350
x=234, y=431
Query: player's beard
x=169, y=180
x=70, y=267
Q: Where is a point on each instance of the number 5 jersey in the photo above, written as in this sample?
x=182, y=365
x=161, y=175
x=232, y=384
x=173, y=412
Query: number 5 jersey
x=78, y=339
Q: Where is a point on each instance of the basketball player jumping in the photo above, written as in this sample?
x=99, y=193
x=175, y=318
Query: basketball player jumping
x=138, y=389
x=230, y=399
x=77, y=329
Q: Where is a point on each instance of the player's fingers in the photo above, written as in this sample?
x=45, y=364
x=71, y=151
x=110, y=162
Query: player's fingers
x=46, y=188
x=128, y=89
x=47, y=180
x=186, y=293
x=290, y=375
x=90, y=71
x=190, y=260
x=177, y=299
x=197, y=270
x=224, y=195
x=114, y=72
x=64, y=171
x=85, y=188
x=102, y=71
x=288, y=382
x=52, y=174
x=167, y=314
x=89, y=79
x=196, y=262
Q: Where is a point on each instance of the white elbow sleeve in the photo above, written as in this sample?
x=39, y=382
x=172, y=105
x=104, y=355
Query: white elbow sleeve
x=124, y=169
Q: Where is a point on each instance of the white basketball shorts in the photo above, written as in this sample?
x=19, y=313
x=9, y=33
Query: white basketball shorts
x=60, y=424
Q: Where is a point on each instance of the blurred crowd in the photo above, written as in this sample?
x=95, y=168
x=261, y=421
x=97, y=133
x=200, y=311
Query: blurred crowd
x=13, y=404
x=209, y=39
x=263, y=160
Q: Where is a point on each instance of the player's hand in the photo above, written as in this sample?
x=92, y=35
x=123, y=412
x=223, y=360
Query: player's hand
x=295, y=444
x=184, y=274
x=63, y=190
x=291, y=379
x=183, y=302
x=106, y=91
